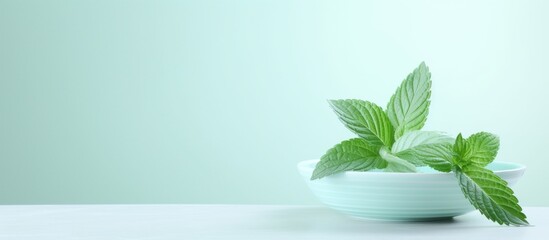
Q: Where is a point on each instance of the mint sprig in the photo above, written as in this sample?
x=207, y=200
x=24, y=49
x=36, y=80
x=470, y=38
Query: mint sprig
x=370, y=122
x=391, y=140
x=482, y=187
x=486, y=191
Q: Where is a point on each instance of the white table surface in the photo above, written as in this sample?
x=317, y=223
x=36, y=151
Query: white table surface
x=62, y=222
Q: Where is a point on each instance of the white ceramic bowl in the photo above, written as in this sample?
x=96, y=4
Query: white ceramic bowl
x=425, y=195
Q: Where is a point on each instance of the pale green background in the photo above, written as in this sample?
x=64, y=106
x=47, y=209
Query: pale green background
x=217, y=101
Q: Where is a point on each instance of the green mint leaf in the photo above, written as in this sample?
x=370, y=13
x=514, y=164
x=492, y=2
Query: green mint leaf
x=409, y=106
x=416, y=138
x=460, y=145
x=490, y=195
x=351, y=155
x=394, y=163
x=365, y=119
x=415, y=147
x=437, y=156
x=461, y=149
x=483, y=148
x=480, y=148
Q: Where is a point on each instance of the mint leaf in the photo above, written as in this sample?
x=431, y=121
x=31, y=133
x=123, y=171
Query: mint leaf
x=461, y=149
x=490, y=195
x=483, y=148
x=415, y=147
x=351, y=155
x=416, y=138
x=480, y=148
x=409, y=106
x=365, y=119
x=437, y=156
x=396, y=164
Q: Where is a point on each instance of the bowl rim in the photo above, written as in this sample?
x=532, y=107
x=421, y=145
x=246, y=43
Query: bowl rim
x=307, y=166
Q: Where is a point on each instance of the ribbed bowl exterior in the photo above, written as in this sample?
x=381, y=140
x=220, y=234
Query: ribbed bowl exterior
x=398, y=196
